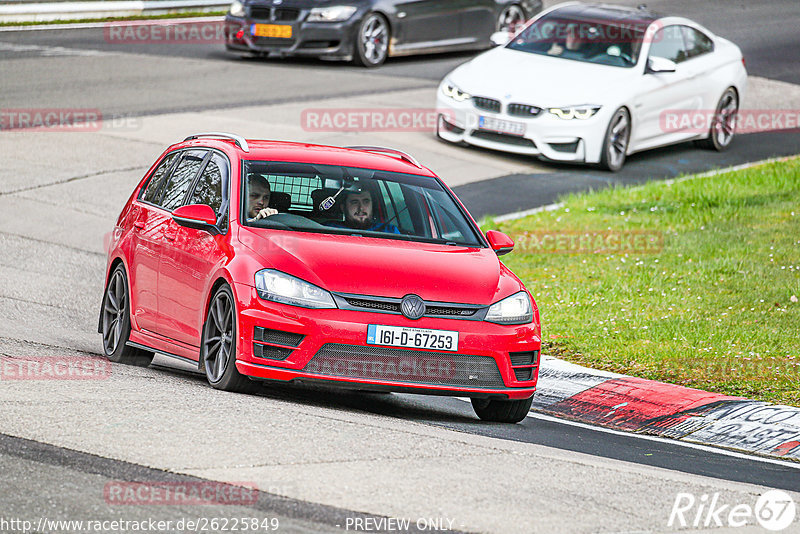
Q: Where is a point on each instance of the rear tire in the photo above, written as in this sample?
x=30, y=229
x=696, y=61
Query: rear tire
x=115, y=323
x=502, y=411
x=218, y=345
x=723, y=126
x=372, y=41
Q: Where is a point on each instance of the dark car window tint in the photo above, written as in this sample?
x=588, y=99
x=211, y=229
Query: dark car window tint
x=181, y=179
x=668, y=43
x=209, y=187
x=697, y=43
x=153, y=187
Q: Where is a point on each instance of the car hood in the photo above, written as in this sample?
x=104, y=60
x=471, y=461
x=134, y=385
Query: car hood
x=544, y=81
x=385, y=267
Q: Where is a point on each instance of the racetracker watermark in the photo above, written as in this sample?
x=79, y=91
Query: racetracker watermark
x=601, y=242
x=165, y=32
x=54, y=368
x=597, y=31
x=180, y=493
x=65, y=120
x=774, y=510
x=372, y=119
x=51, y=119
x=745, y=121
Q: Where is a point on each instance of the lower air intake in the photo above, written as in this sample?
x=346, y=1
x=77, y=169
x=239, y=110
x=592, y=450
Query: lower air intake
x=418, y=367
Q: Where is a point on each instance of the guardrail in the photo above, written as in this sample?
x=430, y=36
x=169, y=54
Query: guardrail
x=51, y=11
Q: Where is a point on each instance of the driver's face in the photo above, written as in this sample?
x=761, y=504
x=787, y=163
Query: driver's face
x=258, y=198
x=358, y=209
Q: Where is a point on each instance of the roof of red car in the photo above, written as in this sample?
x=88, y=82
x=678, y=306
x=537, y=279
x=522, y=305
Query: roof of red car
x=309, y=153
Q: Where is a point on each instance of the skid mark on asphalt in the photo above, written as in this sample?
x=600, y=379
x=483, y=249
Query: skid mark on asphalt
x=50, y=51
x=72, y=179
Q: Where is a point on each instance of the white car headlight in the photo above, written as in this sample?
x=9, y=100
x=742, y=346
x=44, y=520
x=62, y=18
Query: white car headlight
x=575, y=112
x=237, y=9
x=331, y=14
x=450, y=90
x=280, y=287
x=516, y=309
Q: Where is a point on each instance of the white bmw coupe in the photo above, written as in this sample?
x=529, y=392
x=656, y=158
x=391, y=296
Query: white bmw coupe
x=593, y=83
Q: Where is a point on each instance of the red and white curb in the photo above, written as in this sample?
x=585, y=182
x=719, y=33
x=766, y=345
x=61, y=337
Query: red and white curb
x=642, y=406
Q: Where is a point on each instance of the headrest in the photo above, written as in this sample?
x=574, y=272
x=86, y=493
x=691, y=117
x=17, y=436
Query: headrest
x=280, y=201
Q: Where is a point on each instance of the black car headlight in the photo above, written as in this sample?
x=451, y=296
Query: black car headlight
x=331, y=14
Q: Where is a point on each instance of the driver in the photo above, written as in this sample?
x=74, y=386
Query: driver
x=258, y=195
x=358, y=214
x=572, y=44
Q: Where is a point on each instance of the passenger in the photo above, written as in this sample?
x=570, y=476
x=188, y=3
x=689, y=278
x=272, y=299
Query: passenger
x=358, y=214
x=258, y=196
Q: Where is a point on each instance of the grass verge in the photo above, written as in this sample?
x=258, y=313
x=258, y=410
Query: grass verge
x=710, y=303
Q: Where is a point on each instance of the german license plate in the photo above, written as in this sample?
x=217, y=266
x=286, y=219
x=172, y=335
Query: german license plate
x=502, y=126
x=280, y=31
x=415, y=338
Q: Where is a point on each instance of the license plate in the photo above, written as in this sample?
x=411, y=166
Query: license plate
x=279, y=31
x=416, y=338
x=502, y=126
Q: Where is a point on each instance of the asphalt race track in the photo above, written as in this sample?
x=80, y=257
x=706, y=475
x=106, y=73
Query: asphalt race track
x=323, y=460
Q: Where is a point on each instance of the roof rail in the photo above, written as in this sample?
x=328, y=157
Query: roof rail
x=389, y=152
x=238, y=139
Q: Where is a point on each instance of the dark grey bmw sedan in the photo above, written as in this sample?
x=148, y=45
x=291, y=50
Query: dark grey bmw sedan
x=369, y=31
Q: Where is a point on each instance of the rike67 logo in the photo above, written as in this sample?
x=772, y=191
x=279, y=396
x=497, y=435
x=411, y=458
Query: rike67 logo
x=774, y=510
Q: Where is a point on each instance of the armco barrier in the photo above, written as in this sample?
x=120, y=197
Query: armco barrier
x=51, y=11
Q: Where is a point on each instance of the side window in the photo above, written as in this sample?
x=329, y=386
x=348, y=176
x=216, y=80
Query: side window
x=151, y=190
x=668, y=43
x=397, y=212
x=209, y=187
x=181, y=179
x=697, y=43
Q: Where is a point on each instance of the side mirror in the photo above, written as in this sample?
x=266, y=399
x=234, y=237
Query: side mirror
x=657, y=65
x=197, y=216
x=500, y=242
x=500, y=38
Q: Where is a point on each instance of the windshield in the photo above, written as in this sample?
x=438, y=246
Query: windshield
x=349, y=200
x=604, y=42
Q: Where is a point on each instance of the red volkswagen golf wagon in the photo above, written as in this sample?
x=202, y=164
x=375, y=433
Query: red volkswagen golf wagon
x=358, y=267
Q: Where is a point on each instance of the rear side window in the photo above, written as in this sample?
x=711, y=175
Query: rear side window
x=181, y=179
x=154, y=186
x=668, y=43
x=697, y=43
x=209, y=187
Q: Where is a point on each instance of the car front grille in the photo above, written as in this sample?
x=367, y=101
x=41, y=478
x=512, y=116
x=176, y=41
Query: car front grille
x=276, y=14
x=400, y=365
x=270, y=353
x=523, y=110
x=486, y=104
x=503, y=138
x=390, y=305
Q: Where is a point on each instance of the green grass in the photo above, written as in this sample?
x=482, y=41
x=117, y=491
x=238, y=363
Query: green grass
x=715, y=308
x=191, y=14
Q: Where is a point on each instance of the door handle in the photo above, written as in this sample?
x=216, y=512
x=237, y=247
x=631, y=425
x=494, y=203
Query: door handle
x=169, y=237
x=138, y=225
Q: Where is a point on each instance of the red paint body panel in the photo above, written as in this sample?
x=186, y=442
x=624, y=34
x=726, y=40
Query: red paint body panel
x=173, y=270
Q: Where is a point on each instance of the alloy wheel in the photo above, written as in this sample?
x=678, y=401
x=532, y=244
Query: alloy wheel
x=510, y=19
x=218, y=341
x=374, y=39
x=114, y=309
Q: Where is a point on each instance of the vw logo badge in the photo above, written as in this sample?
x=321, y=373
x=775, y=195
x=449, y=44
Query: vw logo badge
x=412, y=306
x=277, y=2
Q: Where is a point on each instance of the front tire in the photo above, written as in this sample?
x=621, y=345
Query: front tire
x=502, y=411
x=115, y=323
x=372, y=41
x=218, y=346
x=511, y=18
x=723, y=126
x=615, y=143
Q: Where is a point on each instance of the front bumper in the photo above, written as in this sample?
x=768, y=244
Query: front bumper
x=319, y=39
x=330, y=346
x=545, y=135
